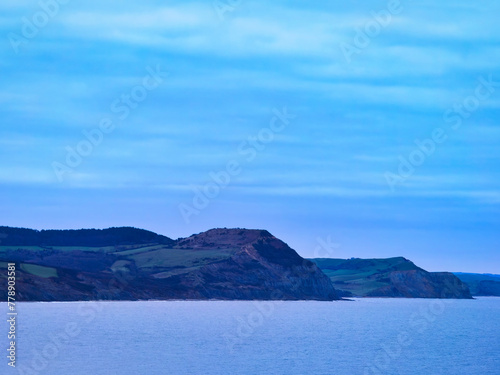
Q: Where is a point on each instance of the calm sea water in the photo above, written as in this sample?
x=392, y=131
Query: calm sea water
x=366, y=336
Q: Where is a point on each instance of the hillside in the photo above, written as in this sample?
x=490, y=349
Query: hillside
x=132, y=264
x=82, y=237
x=481, y=284
x=391, y=277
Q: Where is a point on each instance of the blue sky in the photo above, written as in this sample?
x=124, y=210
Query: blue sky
x=322, y=178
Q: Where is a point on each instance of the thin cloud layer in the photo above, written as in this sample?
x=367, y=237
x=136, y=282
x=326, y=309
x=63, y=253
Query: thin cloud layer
x=356, y=118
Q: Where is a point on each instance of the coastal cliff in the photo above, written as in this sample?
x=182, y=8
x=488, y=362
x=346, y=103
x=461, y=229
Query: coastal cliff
x=485, y=285
x=391, y=277
x=131, y=264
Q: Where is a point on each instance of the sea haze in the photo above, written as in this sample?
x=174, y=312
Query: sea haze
x=365, y=336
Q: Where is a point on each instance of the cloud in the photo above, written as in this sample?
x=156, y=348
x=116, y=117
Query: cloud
x=226, y=76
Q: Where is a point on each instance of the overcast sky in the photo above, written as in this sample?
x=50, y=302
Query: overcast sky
x=185, y=89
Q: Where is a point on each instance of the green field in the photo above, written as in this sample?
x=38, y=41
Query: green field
x=168, y=257
x=102, y=249
x=39, y=270
x=33, y=269
x=362, y=276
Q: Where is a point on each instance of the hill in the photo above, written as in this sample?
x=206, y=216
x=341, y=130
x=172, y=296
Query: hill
x=133, y=264
x=481, y=284
x=81, y=237
x=391, y=277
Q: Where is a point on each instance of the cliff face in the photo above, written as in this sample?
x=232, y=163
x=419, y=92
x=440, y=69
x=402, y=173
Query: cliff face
x=262, y=266
x=392, y=277
x=481, y=284
x=488, y=288
x=422, y=284
x=219, y=264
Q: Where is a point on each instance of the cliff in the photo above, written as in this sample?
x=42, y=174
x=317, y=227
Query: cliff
x=481, y=284
x=131, y=264
x=392, y=277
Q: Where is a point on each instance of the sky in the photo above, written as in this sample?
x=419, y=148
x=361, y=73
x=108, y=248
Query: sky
x=347, y=129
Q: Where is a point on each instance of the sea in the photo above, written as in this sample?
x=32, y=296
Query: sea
x=363, y=336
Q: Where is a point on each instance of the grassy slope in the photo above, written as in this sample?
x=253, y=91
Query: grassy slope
x=105, y=249
x=473, y=279
x=168, y=257
x=361, y=276
x=148, y=258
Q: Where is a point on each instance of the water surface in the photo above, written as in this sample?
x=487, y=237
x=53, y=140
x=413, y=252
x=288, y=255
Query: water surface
x=366, y=336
